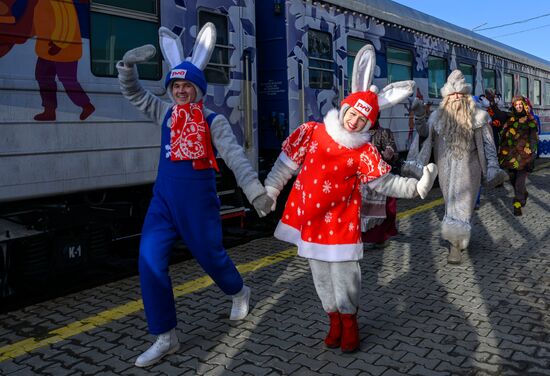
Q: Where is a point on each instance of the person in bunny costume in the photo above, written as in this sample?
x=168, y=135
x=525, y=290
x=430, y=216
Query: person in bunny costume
x=322, y=213
x=464, y=150
x=185, y=204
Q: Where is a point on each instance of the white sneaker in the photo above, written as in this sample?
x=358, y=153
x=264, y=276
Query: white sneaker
x=239, y=310
x=166, y=343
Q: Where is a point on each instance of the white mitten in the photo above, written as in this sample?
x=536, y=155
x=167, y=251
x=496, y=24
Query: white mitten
x=496, y=176
x=139, y=55
x=418, y=107
x=263, y=204
x=427, y=180
x=273, y=193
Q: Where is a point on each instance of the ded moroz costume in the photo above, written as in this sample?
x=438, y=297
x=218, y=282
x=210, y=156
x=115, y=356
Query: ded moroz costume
x=464, y=151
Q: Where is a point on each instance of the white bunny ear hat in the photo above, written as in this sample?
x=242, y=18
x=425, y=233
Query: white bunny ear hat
x=364, y=97
x=190, y=69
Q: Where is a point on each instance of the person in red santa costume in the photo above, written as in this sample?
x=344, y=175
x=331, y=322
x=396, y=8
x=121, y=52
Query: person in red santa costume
x=322, y=212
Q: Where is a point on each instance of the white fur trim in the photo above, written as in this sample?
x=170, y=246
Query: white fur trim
x=336, y=131
x=288, y=162
x=456, y=232
x=316, y=251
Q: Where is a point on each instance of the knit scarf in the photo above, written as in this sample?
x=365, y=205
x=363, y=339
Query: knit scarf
x=190, y=137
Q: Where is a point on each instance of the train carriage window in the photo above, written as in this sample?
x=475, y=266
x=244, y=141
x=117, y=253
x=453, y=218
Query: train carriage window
x=117, y=26
x=547, y=93
x=524, y=86
x=354, y=45
x=217, y=70
x=399, y=64
x=468, y=72
x=537, y=93
x=508, y=87
x=489, y=79
x=321, y=61
x=437, y=75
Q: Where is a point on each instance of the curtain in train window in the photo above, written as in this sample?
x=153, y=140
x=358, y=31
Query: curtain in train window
x=508, y=87
x=523, y=86
x=354, y=45
x=217, y=70
x=468, y=72
x=117, y=26
x=489, y=79
x=547, y=93
x=321, y=61
x=399, y=64
x=537, y=93
x=437, y=75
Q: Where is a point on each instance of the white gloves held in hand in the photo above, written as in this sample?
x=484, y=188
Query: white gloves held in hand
x=429, y=173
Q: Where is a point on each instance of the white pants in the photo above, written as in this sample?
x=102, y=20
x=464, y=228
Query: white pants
x=338, y=284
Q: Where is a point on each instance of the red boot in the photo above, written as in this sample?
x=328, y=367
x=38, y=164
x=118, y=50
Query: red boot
x=335, y=332
x=350, y=333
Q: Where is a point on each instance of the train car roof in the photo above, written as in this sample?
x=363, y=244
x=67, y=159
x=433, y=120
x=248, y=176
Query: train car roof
x=390, y=11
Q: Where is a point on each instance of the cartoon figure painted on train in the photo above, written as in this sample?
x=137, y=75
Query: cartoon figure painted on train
x=56, y=29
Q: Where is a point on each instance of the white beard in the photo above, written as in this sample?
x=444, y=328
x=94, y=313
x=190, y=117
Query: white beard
x=335, y=129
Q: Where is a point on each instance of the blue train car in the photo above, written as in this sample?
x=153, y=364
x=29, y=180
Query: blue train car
x=78, y=160
x=306, y=55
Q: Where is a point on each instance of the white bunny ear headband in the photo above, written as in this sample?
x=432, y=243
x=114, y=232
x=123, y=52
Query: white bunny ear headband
x=172, y=49
x=363, y=72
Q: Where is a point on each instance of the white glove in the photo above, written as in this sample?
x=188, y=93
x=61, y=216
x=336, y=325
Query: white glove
x=427, y=180
x=263, y=204
x=418, y=107
x=273, y=193
x=496, y=176
x=139, y=55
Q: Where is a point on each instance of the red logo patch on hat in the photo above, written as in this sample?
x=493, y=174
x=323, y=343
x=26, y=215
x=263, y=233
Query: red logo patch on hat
x=178, y=73
x=363, y=107
x=366, y=102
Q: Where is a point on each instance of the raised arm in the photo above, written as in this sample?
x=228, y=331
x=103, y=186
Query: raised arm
x=145, y=101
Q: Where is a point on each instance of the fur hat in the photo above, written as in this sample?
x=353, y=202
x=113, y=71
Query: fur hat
x=365, y=102
x=456, y=83
x=189, y=72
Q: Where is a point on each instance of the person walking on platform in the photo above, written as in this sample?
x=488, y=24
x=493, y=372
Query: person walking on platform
x=322, y=212
x=382, y=223
x=185, y=204
x=464, y=150
x=518, y=149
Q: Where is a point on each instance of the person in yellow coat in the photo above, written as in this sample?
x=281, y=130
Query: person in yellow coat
x=58, y=47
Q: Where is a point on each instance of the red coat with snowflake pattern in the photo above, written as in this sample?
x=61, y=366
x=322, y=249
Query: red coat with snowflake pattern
x=322, y=213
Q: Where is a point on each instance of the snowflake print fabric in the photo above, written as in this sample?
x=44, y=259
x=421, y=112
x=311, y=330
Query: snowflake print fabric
x=322, y=213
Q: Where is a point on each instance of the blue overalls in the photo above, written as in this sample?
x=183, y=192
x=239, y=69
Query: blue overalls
x=184, y=205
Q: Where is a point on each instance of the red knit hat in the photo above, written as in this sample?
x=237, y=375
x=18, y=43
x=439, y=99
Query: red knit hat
x=366, y=102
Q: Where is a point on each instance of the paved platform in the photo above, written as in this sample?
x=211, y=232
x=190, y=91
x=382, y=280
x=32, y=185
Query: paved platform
x=418, y=315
